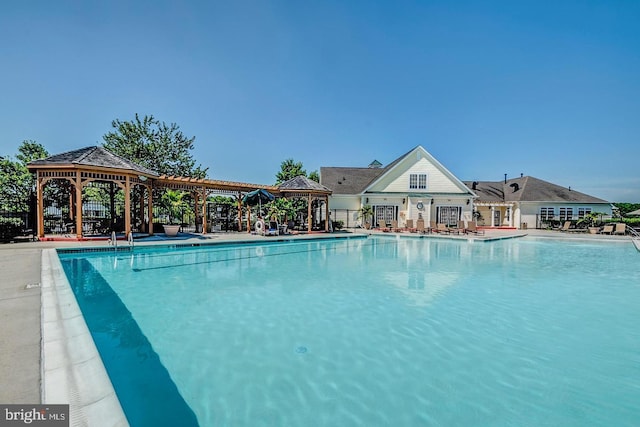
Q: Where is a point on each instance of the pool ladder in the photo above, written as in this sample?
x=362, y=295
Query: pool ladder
x=635, y=237
x=113, y=241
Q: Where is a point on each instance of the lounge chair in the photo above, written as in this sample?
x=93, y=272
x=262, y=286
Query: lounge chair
x=394, y=226
x=460, y=229
x=607, y=229
x=442, y=228
x=621, y=228
x=382, y=226
x=566, y=226
x=473, y=228
x=409, y=226
x=420, y=226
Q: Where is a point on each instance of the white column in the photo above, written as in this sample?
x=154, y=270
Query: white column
x=493, y=216
x=510, y=210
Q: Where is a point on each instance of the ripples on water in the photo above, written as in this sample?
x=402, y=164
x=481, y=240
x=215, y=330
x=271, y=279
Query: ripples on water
x=393, y=332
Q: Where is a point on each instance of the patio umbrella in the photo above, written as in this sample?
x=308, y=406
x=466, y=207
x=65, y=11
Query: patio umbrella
x=256, y=197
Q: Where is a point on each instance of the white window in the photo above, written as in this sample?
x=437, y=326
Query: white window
x=418, y=181
x=547, y=214
x=582, y=212
x=566, y=214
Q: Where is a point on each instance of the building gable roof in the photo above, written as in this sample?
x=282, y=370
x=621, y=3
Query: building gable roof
x=348, y=180
x=93, y=157
x=528, y=189
x=343, y=180
x=420, y=152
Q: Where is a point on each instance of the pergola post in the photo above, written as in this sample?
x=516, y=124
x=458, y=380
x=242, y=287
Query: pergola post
x=40, y=213
x=141, y=189
x=239, y=212
x=78, y=185
x=309, y=214
x=150, y=207
x=204, y=212
x=196, y=198
x=127, y=206
x=326, y=211
x=248, y=219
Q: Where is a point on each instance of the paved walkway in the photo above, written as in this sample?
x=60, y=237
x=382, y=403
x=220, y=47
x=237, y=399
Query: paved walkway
x=20, y=336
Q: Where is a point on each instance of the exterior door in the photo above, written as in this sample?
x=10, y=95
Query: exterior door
x=496, y=218
x=387, y=213
x=449, y=215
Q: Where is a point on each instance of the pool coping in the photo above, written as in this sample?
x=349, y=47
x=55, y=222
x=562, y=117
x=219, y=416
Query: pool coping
x=72, y=371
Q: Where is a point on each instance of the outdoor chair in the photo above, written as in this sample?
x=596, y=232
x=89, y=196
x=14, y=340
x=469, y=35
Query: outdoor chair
x=621, y=228
x=566, y=226
x=460, y=229
x=409, y=226
x=473, y=228
x=394, y=226
x=607, y=229
x=442, y=228
x=382, y=226
x=420, y=226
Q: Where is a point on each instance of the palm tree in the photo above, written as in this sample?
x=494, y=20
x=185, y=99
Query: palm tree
x=365, y=213
x=172, y=200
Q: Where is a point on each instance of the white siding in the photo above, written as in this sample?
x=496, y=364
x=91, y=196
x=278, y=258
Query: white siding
x=398, y=179
x=529, y=211
x=344, y=202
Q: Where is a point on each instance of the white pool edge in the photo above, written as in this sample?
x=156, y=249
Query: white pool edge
x=72, y=370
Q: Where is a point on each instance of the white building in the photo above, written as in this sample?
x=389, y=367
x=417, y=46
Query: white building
x=413, y=186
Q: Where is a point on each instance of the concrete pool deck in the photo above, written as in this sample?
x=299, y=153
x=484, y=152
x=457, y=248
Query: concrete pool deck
x=21, y=307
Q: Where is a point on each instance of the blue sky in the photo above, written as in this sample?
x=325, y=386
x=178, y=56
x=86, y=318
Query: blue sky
x=550, y=89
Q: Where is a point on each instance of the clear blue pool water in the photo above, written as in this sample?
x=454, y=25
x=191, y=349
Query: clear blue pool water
x=369, y=332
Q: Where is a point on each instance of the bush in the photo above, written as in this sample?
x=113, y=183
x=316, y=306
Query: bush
x=631, y=222
x=337, y=225
x=10, y=228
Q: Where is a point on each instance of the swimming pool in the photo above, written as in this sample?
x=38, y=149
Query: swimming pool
x=368, y=331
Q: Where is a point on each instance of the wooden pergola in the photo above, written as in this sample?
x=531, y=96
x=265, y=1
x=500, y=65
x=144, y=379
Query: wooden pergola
x=90, y=164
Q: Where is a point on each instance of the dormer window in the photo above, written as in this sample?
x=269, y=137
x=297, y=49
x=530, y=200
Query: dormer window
x=418, y=181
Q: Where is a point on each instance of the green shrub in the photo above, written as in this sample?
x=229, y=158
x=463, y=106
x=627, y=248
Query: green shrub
x=337, y=225
x=632, y=222
x=10, y=228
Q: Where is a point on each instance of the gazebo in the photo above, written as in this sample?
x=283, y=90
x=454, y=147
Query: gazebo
x=95, y=164
x=303, y=187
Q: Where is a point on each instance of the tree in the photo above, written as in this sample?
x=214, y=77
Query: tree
x=154, y=145
x=30, y=150
x=626, y=207
x=314, y=176
x=366, y=213
x=289, y=169
x=173, y=201
x=283, y=209
x=17, y=184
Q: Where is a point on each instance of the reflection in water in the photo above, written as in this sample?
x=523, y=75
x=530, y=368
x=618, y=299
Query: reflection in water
x=428, y=267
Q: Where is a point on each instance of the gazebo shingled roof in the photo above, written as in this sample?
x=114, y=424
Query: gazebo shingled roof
x=92, y=157
x=301, y=184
